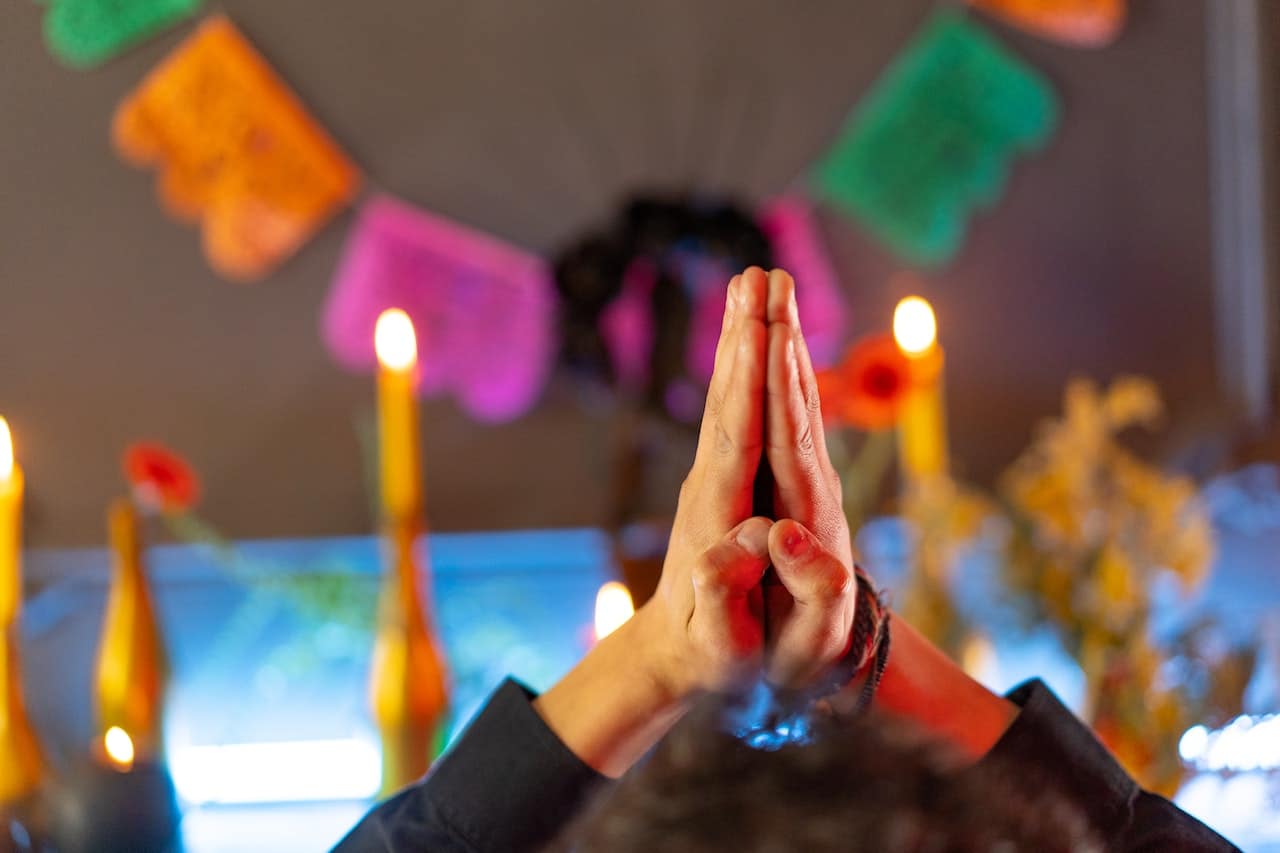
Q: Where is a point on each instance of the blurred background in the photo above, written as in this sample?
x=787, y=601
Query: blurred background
x=192, y=258
x=535, y=125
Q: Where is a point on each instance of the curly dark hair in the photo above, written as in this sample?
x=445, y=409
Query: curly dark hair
x=871, y=784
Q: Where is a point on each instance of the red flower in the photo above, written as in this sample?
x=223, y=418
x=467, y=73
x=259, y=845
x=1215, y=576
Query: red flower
x=867, y=389
x=161, y=479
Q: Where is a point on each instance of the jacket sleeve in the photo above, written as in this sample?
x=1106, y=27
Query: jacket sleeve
x=1047, y=743
x=507, y=784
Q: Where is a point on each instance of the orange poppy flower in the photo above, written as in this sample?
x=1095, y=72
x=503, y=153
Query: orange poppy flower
x=867, y=389
x=161, y=479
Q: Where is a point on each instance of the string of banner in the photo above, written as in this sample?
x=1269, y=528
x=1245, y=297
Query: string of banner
x=237, y=154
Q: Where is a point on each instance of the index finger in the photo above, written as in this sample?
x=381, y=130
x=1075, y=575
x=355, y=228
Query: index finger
x=732, y=434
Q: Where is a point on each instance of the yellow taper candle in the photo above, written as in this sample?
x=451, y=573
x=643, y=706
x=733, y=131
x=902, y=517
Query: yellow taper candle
x=922, y=425
x=398, y=440
x=407, y=684
x=11, y=489
x=132, y=669
x=21, y=760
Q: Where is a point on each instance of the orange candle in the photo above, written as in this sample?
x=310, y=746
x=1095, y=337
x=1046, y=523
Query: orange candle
x=408, y=694
x=21, y=761
x=407, y=683
x=398, y=439
x=132, y=669
x=11, y=487
x=922, y=426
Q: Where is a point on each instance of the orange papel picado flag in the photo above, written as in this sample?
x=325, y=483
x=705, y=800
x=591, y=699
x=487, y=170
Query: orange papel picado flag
x=234, y=150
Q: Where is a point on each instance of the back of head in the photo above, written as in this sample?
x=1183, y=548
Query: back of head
x=871, y=784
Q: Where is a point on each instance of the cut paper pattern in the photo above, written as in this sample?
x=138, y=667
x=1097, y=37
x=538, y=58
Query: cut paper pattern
x=85, y=33
x=234, y=150
x=935, y=137
x=1080, y=23
x=792, y=228
x=483, y=310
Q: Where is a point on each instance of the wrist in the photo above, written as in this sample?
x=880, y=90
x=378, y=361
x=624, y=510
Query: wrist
x=922, y=683
x=855, y=678
x=657, y=664
x=618, y=701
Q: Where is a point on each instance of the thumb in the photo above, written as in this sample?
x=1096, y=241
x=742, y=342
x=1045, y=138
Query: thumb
x=809, y=571
x=727, y=609
x=733, y=566
x=815, y=630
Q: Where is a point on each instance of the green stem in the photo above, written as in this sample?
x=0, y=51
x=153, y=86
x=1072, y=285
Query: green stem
x=864, y=476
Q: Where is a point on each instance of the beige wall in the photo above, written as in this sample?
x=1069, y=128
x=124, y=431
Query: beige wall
x=530, y=120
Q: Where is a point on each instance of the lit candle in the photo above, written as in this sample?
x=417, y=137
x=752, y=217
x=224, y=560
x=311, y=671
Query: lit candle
x=11, y=487
x=922, y=426
x=407, y=683
x=118, y=747
x=613, y=608
x=132, y=671
x=401, y=455
x=21, y=761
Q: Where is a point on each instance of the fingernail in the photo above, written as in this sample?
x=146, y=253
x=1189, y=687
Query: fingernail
x=791, y=309
x=754, y=540
x=750, y=295
x=795, y=543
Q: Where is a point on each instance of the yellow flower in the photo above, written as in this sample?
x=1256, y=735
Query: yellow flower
x=1118, y=588
x=1042, y=496
x=1056, y=588
x=1132, y=400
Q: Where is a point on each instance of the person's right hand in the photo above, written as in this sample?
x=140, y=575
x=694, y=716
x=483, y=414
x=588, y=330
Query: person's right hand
x=704, y=624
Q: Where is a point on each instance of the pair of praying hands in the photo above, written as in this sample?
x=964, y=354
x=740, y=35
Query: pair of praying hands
x=718, y=619
x=713, y=623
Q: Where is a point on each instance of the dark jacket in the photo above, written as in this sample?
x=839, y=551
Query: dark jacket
x=508, y=784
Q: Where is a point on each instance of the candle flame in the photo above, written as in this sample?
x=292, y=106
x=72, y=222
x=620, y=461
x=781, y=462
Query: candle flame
x=915, y=329
x=394, y=340
x=6, y=450
x=119, y=747
x=613, y=607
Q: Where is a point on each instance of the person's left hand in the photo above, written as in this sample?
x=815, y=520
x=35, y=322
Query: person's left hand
x=704, y=628
x=810, y=615
x=702, y=631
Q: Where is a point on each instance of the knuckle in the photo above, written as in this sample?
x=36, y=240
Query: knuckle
x=707, y=574
x=723, y=444
x=812, y=401
x=805, y=439
x=835, y=583
x=715, y=404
